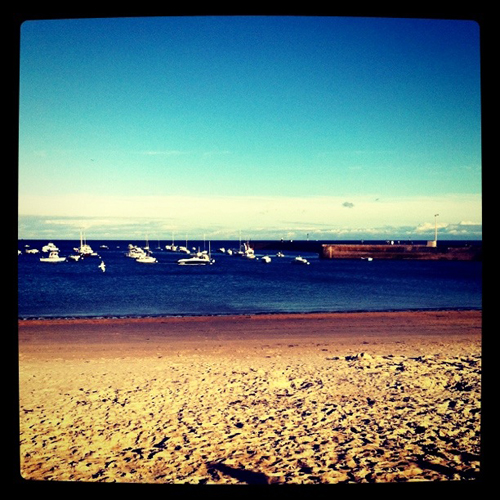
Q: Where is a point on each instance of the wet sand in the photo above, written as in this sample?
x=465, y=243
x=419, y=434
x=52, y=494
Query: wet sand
x=300, y=399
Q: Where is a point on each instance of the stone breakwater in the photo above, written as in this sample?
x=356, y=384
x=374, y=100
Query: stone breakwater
x=400, y=252
x=284, y=413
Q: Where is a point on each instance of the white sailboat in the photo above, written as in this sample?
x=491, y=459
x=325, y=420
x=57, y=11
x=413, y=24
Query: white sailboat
x=85, y=250
x=172, y=247
x=248, y=251
x=146, y=257
x=140, y=255
x=184, y=249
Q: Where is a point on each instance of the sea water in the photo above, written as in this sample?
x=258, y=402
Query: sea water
x=235, y=285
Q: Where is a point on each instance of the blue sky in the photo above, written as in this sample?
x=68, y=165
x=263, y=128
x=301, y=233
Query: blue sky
x=272, y=126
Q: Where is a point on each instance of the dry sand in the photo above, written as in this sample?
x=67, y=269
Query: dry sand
x=318, y=398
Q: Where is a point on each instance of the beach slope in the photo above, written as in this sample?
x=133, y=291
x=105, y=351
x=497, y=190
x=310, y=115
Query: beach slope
x=316, y=398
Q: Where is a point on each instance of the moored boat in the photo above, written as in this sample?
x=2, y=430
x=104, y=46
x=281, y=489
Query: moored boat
x=247, y=251
x=300, y=260
x=146, y=259
x=53, y=257
x=200, y=259
x=84, y=249
x=134, y=252
x=50, y=247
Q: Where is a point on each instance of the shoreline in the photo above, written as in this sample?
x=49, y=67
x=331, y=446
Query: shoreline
x=206, y=316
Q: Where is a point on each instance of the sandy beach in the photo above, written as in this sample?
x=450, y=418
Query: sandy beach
x=295, y=399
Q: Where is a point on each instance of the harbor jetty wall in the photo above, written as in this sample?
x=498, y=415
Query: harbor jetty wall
x=379, y=250
x=415, y=252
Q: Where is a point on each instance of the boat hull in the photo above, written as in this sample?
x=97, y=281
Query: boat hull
x=195, y=262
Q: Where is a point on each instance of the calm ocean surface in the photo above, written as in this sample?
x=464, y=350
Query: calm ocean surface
x=234, y=285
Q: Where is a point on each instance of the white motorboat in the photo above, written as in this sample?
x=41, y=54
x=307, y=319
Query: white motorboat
x=135, y=252
x=33, y=250
x=53, y=257
x=201, y=260
x=198, y=259
x=266, y=259
x=146, y=259
x=300, y=260
x=50, y=247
